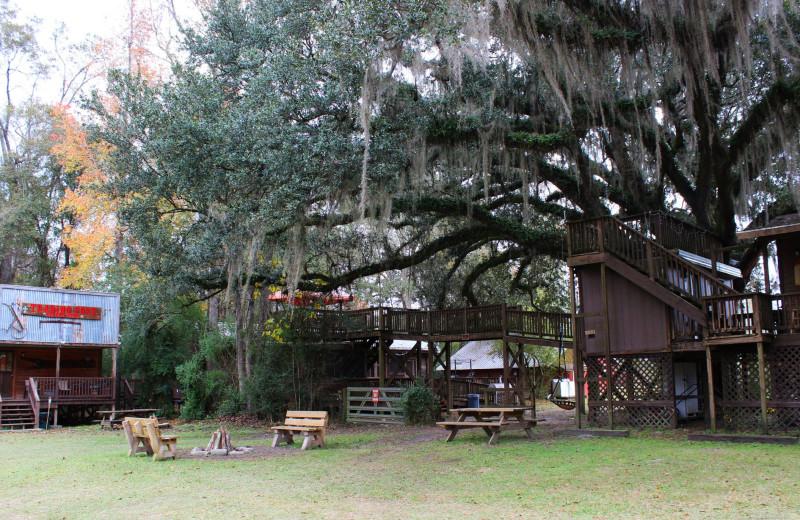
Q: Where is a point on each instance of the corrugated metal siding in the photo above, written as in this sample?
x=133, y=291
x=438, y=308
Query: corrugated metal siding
x=86, y=332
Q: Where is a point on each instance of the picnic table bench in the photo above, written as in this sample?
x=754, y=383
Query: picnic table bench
x=144, y=436
x=311, y=424
x=493, y=421
x=112, y=419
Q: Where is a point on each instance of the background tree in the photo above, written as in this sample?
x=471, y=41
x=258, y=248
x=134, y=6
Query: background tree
x=30, y=183
x=312, y=144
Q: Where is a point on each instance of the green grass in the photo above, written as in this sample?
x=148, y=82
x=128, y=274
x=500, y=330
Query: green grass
x=398, y=473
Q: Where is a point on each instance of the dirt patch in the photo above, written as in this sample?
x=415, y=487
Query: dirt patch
x=257, y=453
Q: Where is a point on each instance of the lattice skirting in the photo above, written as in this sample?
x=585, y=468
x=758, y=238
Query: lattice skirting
x=643, y=390
x=741, y=391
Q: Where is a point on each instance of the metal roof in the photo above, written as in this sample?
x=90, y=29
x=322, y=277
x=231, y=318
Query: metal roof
x=407, y=344
x=702, y=261
x=61, y=316
x=480, y=354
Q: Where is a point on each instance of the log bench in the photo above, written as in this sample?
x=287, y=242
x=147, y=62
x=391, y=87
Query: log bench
x=144, y=436
x=310, y=424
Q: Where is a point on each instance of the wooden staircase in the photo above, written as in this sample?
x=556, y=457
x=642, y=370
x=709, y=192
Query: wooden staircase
x=651, y=266
x=17, y=414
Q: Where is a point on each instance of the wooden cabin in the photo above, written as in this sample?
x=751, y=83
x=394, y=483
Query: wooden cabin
x=51, y=353
x=664, y=336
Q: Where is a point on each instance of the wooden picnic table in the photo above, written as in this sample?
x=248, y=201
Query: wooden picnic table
x=493, y=421
x=113, y=418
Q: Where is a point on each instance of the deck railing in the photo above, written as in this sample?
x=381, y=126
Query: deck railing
x=76, y=389
x=673, y=233
x=407, y=321
x=607, y=234
x=752, y=314
x=739, y=314
x=486, y=320
x=786, y=311
x=448, y=322
x=549, y=325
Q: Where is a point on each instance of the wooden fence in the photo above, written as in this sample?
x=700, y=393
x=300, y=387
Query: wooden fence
x=383, y=409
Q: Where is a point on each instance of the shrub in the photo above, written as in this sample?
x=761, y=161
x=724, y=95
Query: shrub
x=419, y=405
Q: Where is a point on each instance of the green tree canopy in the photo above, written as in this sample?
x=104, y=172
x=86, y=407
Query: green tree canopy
x=348, y=139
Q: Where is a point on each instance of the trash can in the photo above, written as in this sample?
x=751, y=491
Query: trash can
x=42, y=420
x=473, y=401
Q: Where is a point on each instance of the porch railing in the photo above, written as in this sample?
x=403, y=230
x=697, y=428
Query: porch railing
x=752, y=314
x=76, y=389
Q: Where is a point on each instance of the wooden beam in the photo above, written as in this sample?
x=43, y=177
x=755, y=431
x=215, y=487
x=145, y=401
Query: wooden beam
x=448, y=376
x=606, y=326
x=762, y=383
x=114, y=375
x=506, y=373
x=381, y=362
x=768, y=232
x=431, y=363
x=712, y=405
x=581, y=260
x=577, y=360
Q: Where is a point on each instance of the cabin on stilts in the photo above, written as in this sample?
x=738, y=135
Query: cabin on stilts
x=51, y=354
x=664, y=336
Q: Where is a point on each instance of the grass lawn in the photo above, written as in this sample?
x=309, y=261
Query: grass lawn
x=397, y=473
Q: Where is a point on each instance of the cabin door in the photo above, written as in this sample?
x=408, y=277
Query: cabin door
x=687, y=389
x=6, y=373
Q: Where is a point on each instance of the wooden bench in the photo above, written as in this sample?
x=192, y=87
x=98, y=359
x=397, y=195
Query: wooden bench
x=144, y=436
x=311, y=424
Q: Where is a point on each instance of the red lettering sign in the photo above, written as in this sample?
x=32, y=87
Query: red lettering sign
x=375, y=395
x=74, y=312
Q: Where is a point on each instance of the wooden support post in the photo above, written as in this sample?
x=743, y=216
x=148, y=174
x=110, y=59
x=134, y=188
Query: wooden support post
x=57, y=389
x=114, y=377
x=448, y=376
x=765, y=257
x=381, y=362
x=714, y=261
x=606, y=327
x=762, y=383
x=431, y=364
x=506, y=373
x=577, y=361
x=418, y=374
x=712, y=405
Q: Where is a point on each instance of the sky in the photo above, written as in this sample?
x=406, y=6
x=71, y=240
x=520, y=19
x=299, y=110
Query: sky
x=84, y=21
x=81, y=17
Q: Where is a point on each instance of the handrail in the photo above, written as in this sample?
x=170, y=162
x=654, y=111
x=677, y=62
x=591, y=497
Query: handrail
x=76, y=389
x=737, y=314
x=608, y=234
x=32, y=390
x=674, y=233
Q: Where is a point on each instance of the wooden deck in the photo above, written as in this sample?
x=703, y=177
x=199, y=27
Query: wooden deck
x=471, y=323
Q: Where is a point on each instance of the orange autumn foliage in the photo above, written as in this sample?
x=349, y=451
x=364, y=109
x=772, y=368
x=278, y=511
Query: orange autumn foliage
x=93, y=236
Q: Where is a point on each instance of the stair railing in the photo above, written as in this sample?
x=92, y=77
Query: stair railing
x=32, y=390
x=607, y=234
